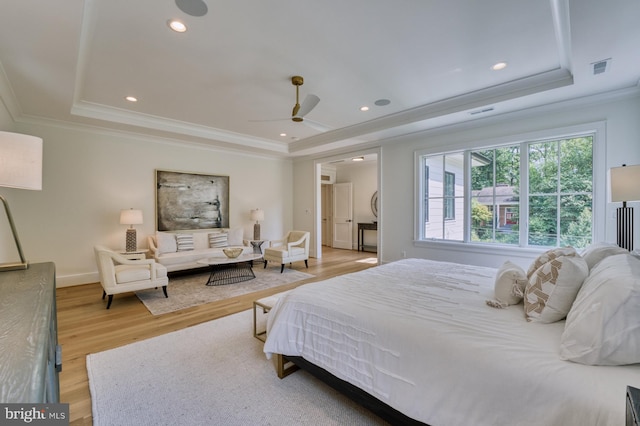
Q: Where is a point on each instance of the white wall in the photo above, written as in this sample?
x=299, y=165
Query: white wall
x=90, y=175
x=622, y=119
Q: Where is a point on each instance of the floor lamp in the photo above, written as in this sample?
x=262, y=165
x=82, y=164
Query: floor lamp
x=625, y=186
x=20, y=167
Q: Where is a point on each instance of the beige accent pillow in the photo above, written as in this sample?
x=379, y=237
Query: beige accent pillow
x=598, y=251
x=166, y=242
x=509, y=285
x=553, y=287
x=549, y=255
x=184, y=242
x=603, y=326
x=218, y=239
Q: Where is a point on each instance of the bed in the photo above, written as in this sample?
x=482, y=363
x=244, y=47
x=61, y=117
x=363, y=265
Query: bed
x=419, y=337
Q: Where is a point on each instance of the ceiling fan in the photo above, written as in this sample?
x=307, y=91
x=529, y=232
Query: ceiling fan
x=300, y=110
x=309, y=103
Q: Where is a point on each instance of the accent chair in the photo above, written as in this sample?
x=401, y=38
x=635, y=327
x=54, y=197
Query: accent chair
x=121, y=275
x=292, y=248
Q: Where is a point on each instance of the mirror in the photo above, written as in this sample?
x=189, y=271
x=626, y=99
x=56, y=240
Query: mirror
x=374, y=204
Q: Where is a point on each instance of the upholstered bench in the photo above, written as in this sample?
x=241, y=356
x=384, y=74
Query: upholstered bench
x=266, y=303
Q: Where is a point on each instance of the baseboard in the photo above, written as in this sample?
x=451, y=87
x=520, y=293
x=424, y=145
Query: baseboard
x=76, y=279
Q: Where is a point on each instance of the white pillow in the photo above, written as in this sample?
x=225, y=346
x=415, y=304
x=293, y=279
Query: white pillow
x=509, y=285
x=603, y=326
x=234, y=237
x=166, y=242
x=553, y=287
x=598, y=251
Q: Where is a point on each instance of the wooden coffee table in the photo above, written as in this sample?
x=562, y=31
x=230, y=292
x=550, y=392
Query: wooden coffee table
x=230, y=271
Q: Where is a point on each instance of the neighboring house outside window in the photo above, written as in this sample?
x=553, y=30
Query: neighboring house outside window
x=531, y=194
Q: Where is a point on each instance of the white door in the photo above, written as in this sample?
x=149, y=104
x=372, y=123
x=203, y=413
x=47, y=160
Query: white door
x=327, y=215
x=343, y=216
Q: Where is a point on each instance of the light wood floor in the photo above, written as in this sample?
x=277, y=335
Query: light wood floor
x=85, y=326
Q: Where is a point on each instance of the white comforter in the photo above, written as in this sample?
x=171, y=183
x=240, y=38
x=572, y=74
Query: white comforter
x=418, y=335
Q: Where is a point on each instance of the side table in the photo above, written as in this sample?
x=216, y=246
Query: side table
x=134, y=255
x=366, y=226
x=258, y=245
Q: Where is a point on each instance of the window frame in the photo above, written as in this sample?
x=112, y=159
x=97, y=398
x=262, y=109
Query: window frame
x=596, y=129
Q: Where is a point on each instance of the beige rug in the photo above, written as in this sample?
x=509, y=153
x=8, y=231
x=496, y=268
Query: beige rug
x=212, y=374
x=191, y=290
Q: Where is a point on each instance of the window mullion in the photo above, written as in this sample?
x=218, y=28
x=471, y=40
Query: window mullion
x=524, y=195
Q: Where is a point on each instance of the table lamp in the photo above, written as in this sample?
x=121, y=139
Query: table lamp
x=20, y=167
x=625, y=186
x=131, y=217
x=257, y=215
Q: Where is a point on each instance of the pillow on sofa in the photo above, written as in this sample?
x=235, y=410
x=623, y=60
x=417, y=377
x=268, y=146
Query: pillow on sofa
x=603, y=326
x=166, y=242
x=218, y=239
x=234, y=237
x=598, y=251
x=184, y=242
x=509, y=285
x=549, y=255
x=553, y=287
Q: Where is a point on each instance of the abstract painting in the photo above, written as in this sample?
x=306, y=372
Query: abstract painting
x=191, y=201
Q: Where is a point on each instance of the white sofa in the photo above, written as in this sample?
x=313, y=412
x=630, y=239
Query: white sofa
x=179, y=251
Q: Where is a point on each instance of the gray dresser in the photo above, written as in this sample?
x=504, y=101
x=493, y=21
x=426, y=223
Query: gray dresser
x=30, y=358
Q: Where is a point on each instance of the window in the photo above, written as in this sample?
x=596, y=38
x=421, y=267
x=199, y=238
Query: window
x=449, y=196
x=443, y=196
x=536, y=193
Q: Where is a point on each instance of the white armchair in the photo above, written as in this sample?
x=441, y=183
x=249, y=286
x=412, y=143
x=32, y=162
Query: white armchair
x=292, y=248
x=120, y=275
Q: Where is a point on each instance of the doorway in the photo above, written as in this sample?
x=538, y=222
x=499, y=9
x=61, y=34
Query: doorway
x=364, y=177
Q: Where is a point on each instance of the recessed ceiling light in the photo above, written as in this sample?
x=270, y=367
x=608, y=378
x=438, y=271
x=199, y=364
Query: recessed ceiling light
x=131, y=98
x=177, y=25
x=283, y=134
x=499, y=66
x=382, y=102
x=364, y=108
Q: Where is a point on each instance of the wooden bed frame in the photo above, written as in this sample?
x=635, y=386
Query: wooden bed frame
x=286, y=365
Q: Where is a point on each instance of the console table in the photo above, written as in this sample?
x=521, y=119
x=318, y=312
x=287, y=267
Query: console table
x=30, y=358
x=367, y=226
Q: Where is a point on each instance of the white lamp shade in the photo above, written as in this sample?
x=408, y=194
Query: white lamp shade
x=131, y=217
x=625, y=183
x=20, y=161
x=257, y=215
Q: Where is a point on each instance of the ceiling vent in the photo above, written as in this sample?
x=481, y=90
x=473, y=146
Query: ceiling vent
x=601, y=66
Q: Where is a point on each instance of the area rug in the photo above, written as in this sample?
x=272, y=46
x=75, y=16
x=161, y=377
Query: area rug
x=214, y=373
x=191, y=290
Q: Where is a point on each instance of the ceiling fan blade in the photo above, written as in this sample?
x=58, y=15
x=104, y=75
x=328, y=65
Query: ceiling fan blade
x=316, y=126
x=308, y=104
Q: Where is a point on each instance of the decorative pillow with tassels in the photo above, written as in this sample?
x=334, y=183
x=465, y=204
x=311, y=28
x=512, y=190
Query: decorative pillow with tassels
x=509, y=285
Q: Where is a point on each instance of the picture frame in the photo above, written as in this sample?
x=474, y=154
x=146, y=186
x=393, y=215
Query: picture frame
x=188, y=201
